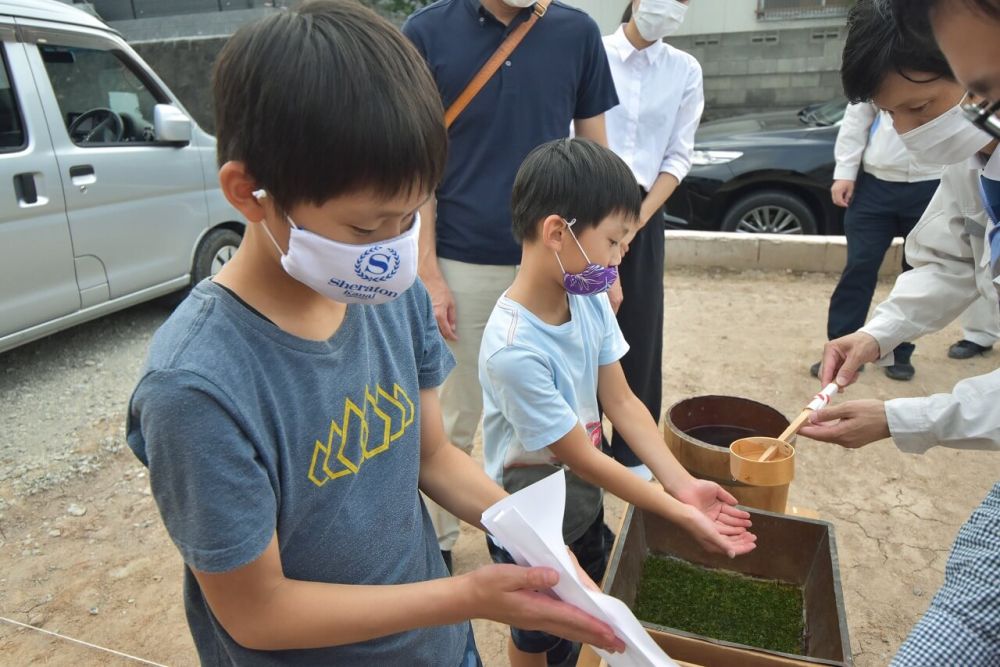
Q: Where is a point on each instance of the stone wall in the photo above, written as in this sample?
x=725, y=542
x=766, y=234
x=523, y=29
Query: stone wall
x=750, y=71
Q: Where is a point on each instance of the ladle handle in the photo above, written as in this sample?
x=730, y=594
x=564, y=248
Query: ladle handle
x=796, y=424
x=821, y=400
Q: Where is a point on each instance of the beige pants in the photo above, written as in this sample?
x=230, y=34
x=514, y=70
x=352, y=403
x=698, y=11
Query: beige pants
x=476, y=288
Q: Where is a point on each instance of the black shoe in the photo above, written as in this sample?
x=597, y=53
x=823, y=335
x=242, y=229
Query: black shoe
x=446, y=555
x=814, y=369
x=966, y=349
x=900, y=371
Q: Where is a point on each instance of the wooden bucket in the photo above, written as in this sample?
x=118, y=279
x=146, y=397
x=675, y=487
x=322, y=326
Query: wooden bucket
x=700, y=430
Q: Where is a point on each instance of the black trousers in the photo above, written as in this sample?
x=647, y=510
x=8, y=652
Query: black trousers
x=641, y=321
x=880, y=211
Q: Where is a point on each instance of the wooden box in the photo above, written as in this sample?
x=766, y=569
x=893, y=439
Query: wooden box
x=789, y=549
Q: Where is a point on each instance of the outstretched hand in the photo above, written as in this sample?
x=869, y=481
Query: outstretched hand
x=714, y=520
x=853, y=424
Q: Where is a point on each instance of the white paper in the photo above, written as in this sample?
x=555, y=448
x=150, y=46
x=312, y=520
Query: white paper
x=529, y=525
x=822, y=399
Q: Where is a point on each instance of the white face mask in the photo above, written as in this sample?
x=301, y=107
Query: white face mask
x=656, y=19
x=519, y=3
x=948, y=139
x=371, y=273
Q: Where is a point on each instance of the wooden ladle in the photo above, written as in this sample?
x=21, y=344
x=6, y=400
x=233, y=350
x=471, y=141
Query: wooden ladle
x=821, y=400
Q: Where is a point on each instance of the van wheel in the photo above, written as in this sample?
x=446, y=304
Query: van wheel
x=770, y=212
x=214, y=251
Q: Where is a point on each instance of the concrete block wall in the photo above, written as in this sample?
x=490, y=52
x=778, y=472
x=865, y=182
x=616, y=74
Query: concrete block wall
x=762, y=70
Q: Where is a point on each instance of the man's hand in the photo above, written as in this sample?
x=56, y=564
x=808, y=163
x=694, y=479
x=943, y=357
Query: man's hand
x=853, y=424
x=616, y=296
x=443, y=300
x=516, y=596
x=714, y=520
x=844, y=356
x=842, y=193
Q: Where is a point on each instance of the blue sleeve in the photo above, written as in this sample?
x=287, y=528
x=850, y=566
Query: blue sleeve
x=596, y=90
x=613, y=345
x=412, y=33
x=212, y=489
x=435, y=358
x=524, y=390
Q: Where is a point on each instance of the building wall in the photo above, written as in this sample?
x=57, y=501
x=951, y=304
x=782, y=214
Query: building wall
x=705, y=17
x=752, y=71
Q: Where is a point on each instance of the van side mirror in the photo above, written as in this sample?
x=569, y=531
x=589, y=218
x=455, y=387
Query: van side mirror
x=170, y=125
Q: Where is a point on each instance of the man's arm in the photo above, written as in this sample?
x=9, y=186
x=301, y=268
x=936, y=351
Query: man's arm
x=967, y=418
x=430, y=273
x=852, y=139
x=923, y=300
x=591, y=128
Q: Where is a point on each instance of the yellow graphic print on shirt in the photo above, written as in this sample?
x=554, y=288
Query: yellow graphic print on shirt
x=381, y=420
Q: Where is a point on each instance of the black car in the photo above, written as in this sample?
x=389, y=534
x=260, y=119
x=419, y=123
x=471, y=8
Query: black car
x=767, y=172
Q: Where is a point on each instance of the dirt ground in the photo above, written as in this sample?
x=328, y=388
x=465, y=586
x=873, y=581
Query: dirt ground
x=88, y=557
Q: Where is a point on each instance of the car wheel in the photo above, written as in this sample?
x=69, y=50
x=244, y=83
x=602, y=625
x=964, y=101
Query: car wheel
x=770, y=212
x=217, y=248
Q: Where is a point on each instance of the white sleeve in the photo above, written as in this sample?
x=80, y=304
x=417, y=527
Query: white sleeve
x=942, y=283
x=852, y=139
x=967, y=418
x=677, y=158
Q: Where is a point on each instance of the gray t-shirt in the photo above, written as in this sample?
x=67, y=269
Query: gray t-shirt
x=248, y=430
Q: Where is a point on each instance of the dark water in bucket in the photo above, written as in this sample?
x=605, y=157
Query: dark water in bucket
x=721, y=435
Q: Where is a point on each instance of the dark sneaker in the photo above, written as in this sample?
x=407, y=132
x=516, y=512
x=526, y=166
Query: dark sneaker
x=900, y=371
x=966, y=349
x=446, y=555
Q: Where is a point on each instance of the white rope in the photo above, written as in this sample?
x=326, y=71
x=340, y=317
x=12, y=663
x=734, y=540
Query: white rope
x=81, y=642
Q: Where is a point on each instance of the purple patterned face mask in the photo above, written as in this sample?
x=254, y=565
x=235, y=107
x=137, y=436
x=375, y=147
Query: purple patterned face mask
x=594, y=279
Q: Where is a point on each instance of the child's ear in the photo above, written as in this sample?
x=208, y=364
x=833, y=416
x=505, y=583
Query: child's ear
x=554, y=233
x=238, y=186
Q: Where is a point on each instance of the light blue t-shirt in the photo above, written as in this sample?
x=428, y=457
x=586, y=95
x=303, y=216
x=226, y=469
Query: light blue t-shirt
x=249, y=431
x=540, y=380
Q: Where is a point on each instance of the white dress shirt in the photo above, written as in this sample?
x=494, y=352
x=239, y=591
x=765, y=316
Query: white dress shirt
x=880, y=149
x=949, y=254
x=661, y=101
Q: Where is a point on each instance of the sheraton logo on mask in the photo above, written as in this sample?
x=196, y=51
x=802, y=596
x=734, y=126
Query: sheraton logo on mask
x=377, y=264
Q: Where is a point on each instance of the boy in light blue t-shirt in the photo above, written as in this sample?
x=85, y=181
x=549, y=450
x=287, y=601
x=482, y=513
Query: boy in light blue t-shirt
x=551, y=351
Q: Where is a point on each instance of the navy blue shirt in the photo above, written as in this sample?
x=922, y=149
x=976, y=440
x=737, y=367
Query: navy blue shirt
x=557, y=74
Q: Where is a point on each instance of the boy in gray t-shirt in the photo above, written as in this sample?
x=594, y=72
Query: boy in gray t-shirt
x=288, y=411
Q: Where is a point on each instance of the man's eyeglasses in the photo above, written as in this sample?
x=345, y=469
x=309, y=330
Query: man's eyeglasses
x=983, y=116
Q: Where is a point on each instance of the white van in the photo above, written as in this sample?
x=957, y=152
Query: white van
x=108, y=189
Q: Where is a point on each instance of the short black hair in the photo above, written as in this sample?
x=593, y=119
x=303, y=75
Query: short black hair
x=627, y=14
x=875, y=47
x=913, y=16
x=571, y=178
x=325, y=100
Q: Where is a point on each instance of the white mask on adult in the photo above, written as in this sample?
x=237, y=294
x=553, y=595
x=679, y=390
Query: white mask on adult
x=948, y=139
x=656, y=19
x=519, y=3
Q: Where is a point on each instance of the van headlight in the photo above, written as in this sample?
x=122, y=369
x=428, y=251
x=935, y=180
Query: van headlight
x=711, y=158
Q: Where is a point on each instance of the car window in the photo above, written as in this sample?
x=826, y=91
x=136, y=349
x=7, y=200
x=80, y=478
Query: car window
x=102, y=100
x=12, y=135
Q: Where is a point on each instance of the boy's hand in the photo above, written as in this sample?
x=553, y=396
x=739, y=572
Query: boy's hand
x=518, y=596
x=714, y=520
